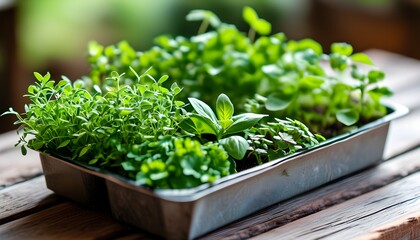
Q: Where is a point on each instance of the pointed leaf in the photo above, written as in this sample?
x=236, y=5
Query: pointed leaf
x=203, y=109
x=84, y=150
x=362, y=58
x=198, y=124
x=63, y=144
x=38, y=76
x=163, y=79
x=244, y=121
x=224, y=107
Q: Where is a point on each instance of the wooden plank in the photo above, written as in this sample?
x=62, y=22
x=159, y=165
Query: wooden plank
x=25, y=198
x=403, y=77
x=357, y=216
x=137, y=236
x=407, y=227
x=401, y=72
x=8, y=140
x=403, y=135
x=14, y=167
x=321, y=198
x=64, y=221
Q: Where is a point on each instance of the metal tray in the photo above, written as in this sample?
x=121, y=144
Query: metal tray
x=189, y=213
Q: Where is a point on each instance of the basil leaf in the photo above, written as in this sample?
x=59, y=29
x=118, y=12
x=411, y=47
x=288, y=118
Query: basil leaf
x=347, y=116
x=203, y=109
x=224, y=107
x=244, y=121
x=235, y=146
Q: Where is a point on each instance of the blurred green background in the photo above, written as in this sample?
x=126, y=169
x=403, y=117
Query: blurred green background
x=52, y=36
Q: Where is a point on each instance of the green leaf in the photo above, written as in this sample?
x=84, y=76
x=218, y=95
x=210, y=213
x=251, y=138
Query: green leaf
x=356, y=74
x=163, y=79
x=384, y=91
x=308, y=43
x=362, y=58
x=342, y=49
x=311, y=82
x=47, y=76
x=128, y=166
x=23, y=150
x=198, y=124
x=38, y=76
x=244, y=121
x=225, y=123
x=84, y=150
x=204, y=15
x=272, y=70
x=278, y=101
x=249, y=15
x=125, y=111
x=262, y=27
x=203, y=109
x=347, y=116
x=338, y=62
x=235, y=146
x=179, y=103
x=375, y=76
x=32, y=89
x=63, y=144
x=224, y=107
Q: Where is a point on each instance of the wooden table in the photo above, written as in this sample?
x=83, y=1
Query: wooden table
x=382, y=202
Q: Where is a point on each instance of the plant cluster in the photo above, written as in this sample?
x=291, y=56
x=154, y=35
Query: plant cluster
x=160, y=130
x=269, y=74
x=137, y=130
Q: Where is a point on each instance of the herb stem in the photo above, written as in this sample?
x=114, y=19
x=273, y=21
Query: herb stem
x=251, y=34
x=203, y=27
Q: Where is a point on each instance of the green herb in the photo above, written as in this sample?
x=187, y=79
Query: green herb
x=129, y=129
x=331, y=93
x=280, y=91
x=280, y=138
x=177, y=163
x=204, y=121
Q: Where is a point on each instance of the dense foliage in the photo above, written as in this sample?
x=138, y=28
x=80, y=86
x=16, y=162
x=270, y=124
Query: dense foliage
x=268, y=74
x=268, y=94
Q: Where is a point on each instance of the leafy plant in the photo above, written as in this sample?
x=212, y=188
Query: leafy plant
x=280, y=138
x=129, y=129
x=330, y=93
x=204, y=121
x=140, y=127
x=177, y=163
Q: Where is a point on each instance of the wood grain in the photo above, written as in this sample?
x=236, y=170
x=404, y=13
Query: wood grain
x=321, y=198
x=14, y=167
x=403, y=135
x=403, y=77
x=401, y=72
x=63, y=221
x=357, y=216
x=25, y=198
x=407, y=227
